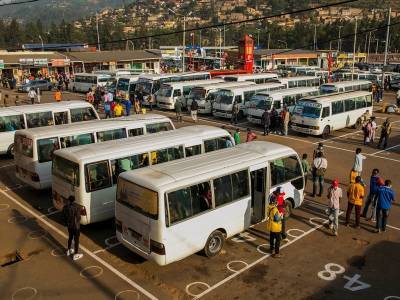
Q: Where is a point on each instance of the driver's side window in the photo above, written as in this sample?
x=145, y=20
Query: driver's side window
x=325, y=112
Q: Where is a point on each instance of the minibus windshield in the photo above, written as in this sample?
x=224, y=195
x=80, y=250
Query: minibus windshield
x=308, y=109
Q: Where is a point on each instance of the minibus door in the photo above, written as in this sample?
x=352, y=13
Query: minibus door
x=258, y=182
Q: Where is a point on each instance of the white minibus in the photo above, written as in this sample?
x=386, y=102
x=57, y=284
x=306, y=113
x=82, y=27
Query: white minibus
x=167, y=212
x=82, y=82
x=35, y=147
x=299, y=81
x=205, y=94
x=345, y=86
x=89, y=173
x=277, y=99
x=40, y=115
x=167, y=95
x=126, y=86
x=224, y=98
x=257, y=77
x=149, y=84
x=321, y=115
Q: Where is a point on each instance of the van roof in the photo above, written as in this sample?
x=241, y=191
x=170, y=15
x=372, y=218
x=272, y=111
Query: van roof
x=189, y=135
x=290, y=91
x=336, y=96
x=58, y=106
x=206, y=166
x=223, y=84
x=297, y=78
x=254, y=75
x=89, y=126
x=254, y=87
x=347, y=83
x=192, y=82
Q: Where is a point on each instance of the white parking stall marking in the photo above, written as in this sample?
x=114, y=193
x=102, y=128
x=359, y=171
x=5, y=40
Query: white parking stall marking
x=87, y=251
x=87, y=273
x=261, y=259
x=384, y=150
x=7, y=166
x=51, y=211
x=196, y=283
x=390, y=226
x=243, y=237
x=229, y=265
x=32, y=292
x=109, y=244
x=117, y=296
x=4, y=206
x=12, y=188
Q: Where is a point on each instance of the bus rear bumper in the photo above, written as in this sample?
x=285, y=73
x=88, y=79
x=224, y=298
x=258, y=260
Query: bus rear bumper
x=158, y=259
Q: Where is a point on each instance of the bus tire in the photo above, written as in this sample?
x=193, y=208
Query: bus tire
x=326, y=132
x=10, y=150
x=214, y=244
x=288, y=207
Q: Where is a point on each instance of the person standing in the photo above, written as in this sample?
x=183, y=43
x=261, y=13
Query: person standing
x=280, y=196
x=137, y=106
x=118, y=110
x=178, y=110
x=358, y=162
x=151, y=100
x=285, y=121
x=274, y=226
x=385, y=199
x=89, y=96
x=373, y=193
x=272, y=118
x=265, y=120
x=320, y=148
x=385, y=133
x=107, y=109
x=72, y=217
x=193, y=110
x=355, y=195
x=334, y=195
x=306, y=168
x=128, y=106
x=372, y=134
x=235, y=112
x=39, y=95
x=57, y=95
x=32, y=95
x=236, y=136
x=319, y=166
x=251, y=136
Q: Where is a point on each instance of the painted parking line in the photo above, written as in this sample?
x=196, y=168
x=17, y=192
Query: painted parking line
x=395, y=146
x=7, y=166
x=87, y=251
x=250, y=265
x=393, y=227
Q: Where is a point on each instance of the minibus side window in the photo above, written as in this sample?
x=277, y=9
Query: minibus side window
x=189, y=201
x=238, y=99
x=231, y=187
x=45, y=149
x=129, y=163
x=337, y=107
x=97, y=176
x=82, y=114
x=325, y=112
x=349, y=104
x=215, y=144
x=177, y=93
x=360, y=102
x=77, y=140
x=39, y=119
x=369, y=100
x=193, y=150
x=12, y=123
x=61, y=117
x=285, y=169
x=135, y=132
x=110, y=135
x=157, y=127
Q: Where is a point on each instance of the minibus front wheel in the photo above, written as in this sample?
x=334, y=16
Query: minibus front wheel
x=326, y=132
x=214, y=244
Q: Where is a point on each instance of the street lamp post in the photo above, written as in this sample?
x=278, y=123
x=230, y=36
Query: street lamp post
x=40, y=37
x=339, y=40
x=258, y=37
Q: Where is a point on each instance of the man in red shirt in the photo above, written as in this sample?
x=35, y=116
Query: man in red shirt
x=251, y=136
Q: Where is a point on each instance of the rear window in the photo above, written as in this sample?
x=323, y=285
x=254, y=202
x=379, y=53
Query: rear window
x=12, y=123
x=66, y=170
x=45, y=149
x=138, y=198
x=82, y=114
x=24, y=145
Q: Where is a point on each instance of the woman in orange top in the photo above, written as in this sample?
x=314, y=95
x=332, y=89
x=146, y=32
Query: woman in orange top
x=57, y=96
x=355, y=194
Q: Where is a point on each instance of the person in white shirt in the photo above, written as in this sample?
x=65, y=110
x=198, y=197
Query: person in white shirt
x=32, y=95
x=334, y=195
x=319, y=166
x=372, y=133
x=358, y=162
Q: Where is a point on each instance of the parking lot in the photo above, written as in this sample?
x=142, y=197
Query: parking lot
x=358, y=264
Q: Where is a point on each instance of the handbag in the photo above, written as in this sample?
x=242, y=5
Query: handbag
x=320, y=171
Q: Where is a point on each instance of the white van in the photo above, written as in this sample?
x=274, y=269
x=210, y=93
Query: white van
x=324, y=114
x=170, y=92
x=205, y=94
x=299, y=81
x=126, y=86
x=256, y=78
x=82, y=82
x=89, y=173
x=277, y=99
x=345, y=86
x=167, y=212
x=40, y=115
x=34, y=147
x=224, y=98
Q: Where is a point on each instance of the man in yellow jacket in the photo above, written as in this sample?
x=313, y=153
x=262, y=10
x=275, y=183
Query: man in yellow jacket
x=355, y=194
x=274, y=226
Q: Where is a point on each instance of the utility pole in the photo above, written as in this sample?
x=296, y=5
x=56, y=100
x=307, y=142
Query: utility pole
x=200, y=38
x=97, y=29
x=386, y=44
x=269, y=38
x=183, y=44
x=369, y=44
x=339, y=42
x=224, y=36
x=315, y=37
x=354, y=50
x=377, y=46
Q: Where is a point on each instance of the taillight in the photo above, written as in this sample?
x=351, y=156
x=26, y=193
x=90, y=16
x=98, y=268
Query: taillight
x=35, y=177
x=83, y=211
x=157, y=247
x=118, y=225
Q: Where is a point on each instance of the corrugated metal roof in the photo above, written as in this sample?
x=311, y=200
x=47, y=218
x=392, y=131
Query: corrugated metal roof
x=14, y=57
x=106, y=56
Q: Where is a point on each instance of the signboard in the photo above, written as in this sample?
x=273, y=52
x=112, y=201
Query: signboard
x=1, y=64
x=60, y=62
x=36, y=62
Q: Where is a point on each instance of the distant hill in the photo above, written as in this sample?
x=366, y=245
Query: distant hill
x=55, y=10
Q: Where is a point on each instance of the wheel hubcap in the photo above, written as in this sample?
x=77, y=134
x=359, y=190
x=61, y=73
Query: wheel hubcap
x=214, y=244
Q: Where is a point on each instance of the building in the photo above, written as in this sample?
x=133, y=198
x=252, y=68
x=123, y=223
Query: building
x=270, y=58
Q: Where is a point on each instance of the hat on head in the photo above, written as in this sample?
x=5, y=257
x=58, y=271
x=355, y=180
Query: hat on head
x=335, y=183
